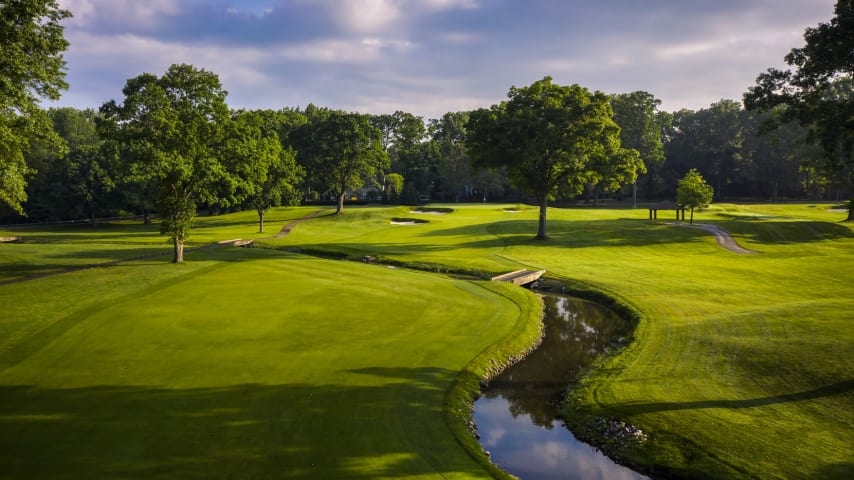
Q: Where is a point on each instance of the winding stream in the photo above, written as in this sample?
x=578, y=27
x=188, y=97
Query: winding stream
x=516, y=416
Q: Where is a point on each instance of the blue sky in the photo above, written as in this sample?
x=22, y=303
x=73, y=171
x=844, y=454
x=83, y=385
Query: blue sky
x=429, y=57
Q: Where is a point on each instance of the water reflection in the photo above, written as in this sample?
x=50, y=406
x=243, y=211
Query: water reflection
x=516, y=416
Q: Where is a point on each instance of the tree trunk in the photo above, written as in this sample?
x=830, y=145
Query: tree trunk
x=146, y=217
x=635, y=194
x=692, y=216
x=179, y=251
x=340, y=204
x=260, y=220
x=92, y=218
x=541, y=229
x=850, y=211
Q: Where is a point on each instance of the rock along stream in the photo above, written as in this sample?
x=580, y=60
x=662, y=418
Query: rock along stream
x=516, y=416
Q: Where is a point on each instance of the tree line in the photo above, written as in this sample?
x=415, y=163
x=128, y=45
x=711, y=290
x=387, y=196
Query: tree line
x=173, y=146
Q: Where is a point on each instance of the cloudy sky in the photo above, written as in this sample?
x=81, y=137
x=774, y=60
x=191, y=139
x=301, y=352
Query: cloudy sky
x=428, y=57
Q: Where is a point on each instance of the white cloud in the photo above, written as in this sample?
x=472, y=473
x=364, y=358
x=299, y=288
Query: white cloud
x=145, y=13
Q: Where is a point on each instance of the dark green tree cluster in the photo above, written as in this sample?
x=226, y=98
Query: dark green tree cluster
x=818, y=94
x=31, y=68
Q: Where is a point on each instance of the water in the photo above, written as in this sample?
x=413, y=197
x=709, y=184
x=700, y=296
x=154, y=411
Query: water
x=515, y=417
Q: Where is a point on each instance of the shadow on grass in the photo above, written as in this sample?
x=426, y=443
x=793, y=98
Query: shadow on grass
x=23, y=272
x=576, y=233
x=825, y=391
x=783, y=232
x=239, y=431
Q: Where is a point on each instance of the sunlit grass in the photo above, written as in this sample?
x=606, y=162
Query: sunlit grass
x=240, y=363
x=741, y=365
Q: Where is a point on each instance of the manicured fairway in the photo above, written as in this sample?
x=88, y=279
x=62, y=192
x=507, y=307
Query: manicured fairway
x=242, y=363
x=743, y=366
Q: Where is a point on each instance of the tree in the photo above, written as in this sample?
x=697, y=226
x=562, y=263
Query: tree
x=75, y=182
x=265, y=172
x=550, y=137
x=454, y=167
x=169, y=129
x=819, y=93
x=348, y=151
x=693, y=192
x=637, y=115
x=32, y=67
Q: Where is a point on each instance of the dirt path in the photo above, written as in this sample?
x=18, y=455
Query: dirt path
x=290, y=226
x=724, y=239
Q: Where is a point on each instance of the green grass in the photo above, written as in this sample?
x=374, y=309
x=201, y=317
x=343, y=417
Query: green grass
x=242, y=363
x=741, y=366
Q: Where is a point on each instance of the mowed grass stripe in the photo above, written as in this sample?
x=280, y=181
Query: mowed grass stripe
x=270, y=365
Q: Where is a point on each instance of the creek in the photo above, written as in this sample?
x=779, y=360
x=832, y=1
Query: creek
x=516, y=416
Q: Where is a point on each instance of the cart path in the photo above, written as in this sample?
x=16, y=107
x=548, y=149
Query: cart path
x=285, y=230
x=290, y=226
x=723, y=237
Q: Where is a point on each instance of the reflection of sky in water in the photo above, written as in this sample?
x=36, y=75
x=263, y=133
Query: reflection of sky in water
x=516, y=417
x=531, y=452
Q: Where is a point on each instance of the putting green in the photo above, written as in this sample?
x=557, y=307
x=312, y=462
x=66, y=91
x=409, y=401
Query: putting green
x=242, y=363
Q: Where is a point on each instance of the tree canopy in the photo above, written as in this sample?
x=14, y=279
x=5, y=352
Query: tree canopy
x=265, y=173
x=343, y=150
x=32, y=68
x=553, y=139
x=640, y=124
x=169, y=130
x=693, y=192
x=818, y=92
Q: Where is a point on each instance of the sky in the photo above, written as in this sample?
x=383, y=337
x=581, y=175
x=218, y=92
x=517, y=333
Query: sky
x=428, y=57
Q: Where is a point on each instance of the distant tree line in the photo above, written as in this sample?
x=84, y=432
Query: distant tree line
x=173, y=146
x=408, y=159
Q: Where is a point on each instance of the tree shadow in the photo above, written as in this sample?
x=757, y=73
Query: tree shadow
x=396, y=429
x=784, y=232
x=576, y=233
x=825, y=391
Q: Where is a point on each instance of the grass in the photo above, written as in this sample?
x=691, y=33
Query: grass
x=241, y=363
x=740, y=365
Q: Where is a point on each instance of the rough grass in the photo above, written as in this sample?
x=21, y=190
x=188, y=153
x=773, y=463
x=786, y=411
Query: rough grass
x=241, y=363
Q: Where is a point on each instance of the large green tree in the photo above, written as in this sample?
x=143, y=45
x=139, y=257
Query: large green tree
x=818, y=92
x=265, y=173
x=170, y=129
x=693, y=192
x=347, y=152
x=552, y=139
x=31, y=68
x=640, y=128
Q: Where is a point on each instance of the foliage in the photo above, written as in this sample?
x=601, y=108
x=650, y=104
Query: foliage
x=32, y=67
x=343, y=150
x=169, y=129
x=819, y=93
x=693, y=192
x=265, y=173
x=454, y=170
x=640, y=124
x=551, y=138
